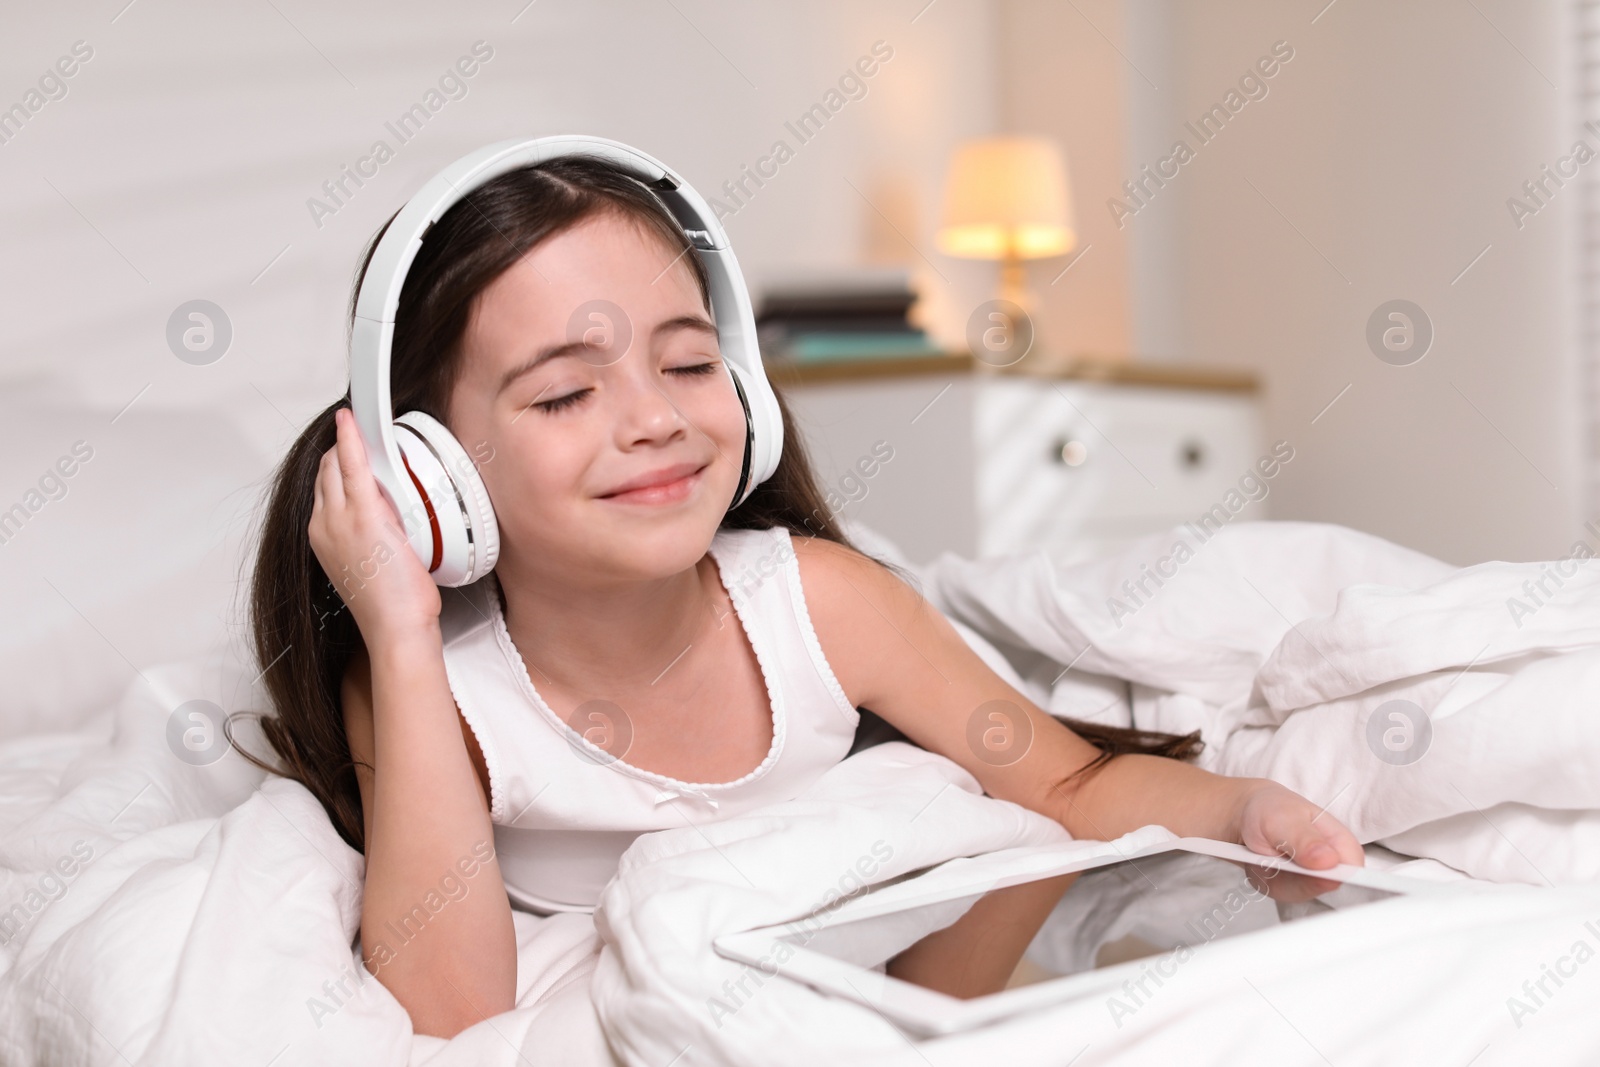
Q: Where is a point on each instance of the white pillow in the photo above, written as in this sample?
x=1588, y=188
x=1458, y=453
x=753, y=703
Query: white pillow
x=128, y=552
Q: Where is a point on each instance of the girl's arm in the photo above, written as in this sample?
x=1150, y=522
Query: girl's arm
x=894, y=653
x=436, y=925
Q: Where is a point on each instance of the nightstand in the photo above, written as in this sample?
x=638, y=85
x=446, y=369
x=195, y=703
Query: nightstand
x=1075, y=457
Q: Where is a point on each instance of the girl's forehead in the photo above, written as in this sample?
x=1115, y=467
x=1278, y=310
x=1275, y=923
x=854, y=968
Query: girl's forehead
x=607, y=244
x=602, y=258
x=630, y=280
x=604, y=300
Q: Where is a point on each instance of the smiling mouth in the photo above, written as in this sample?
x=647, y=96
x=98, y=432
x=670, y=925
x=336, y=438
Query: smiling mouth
x=666, y=493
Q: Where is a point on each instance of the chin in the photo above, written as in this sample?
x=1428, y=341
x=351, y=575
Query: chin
x=659, y=542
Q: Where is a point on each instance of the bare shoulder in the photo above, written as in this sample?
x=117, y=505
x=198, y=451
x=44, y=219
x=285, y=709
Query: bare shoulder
x=896, y=653
x=837, y=566
x=859, y=608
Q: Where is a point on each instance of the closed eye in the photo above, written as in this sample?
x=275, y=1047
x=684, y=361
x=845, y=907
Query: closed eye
x=562, y=402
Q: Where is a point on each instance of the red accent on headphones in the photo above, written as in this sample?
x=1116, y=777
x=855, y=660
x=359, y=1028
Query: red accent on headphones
x=433, y=520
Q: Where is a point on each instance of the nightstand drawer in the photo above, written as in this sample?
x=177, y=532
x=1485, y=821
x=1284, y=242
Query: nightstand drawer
x=1062, y=462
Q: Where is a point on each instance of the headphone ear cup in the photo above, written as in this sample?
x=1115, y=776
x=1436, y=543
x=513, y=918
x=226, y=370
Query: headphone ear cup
x=746, y=482
x=465, y=534
x=763, y=440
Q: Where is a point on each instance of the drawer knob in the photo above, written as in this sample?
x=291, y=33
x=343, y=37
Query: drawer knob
x=1192, y=454
x=1069, y=452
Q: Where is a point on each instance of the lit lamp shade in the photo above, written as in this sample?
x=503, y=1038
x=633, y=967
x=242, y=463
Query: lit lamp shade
x=1007, y=197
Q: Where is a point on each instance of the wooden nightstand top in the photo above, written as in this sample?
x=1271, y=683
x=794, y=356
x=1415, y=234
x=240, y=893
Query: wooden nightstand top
x=1073, y=368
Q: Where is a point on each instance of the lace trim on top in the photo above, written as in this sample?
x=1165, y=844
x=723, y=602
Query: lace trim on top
x=519, y=671
x=491, y=758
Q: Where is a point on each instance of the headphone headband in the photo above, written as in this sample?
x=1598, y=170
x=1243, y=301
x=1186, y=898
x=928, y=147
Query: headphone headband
x=392, y=258
x=373, y=334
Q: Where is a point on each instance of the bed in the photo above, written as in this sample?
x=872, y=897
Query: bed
x=166, y=910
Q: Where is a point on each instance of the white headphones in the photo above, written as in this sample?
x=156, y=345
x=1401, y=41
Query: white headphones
x=424, y=471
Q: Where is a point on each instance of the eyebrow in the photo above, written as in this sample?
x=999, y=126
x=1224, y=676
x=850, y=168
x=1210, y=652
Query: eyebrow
x=697, y=323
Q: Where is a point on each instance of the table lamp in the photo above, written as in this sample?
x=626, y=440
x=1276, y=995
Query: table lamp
x=1008, y=198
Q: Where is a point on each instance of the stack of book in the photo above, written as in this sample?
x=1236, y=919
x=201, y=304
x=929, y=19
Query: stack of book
x=864, y=317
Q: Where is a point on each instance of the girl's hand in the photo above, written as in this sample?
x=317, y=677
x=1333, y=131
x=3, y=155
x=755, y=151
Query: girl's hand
x=1277, y=821
x=357, y=537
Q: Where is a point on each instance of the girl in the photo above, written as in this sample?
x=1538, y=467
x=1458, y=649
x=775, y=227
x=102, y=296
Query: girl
x=594, y=685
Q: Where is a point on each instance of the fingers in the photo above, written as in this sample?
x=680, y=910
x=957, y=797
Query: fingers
x=330, y=481
x=1344, y=843
x=1291, y=826
x=1296, y=839
x=1319, y=842
x=357, y=476
x=1322, y=841
x=360, y=484
x=1311, y=849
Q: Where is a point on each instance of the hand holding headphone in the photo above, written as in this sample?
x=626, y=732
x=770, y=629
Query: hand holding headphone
x=421, y=468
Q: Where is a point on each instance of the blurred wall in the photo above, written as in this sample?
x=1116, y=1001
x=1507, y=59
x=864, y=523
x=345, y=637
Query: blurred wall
x=184, y=157
x=1374, y=164
x=177, y=151
x=1062, y=76
x=1377, y=166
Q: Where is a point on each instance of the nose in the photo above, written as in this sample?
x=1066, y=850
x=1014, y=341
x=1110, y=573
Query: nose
x=645, y=414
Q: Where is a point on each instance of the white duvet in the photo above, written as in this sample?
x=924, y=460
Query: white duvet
x=1279, y=641
x=161, y=913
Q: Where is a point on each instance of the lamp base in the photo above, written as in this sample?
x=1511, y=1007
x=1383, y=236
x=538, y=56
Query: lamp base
x=1014, y=284
x=1024, y=309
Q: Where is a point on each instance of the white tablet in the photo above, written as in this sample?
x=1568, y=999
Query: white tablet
x=1189, y=890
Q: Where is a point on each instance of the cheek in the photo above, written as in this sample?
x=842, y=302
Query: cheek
x=723, y=417
x=532, y=471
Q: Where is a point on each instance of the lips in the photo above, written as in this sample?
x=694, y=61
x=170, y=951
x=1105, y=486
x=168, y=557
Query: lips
x=656, y=478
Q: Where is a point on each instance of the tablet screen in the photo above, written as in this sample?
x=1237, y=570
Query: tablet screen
x=1169, y=904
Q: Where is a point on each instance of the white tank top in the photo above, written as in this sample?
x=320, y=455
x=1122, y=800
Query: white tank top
x=564, y=810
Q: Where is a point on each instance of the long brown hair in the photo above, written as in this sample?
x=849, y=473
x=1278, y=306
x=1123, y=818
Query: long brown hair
x=303, y=638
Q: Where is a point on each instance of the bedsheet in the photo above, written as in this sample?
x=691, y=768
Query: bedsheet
x=1444, y=712
x=1409, y=980
x=157, y=911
